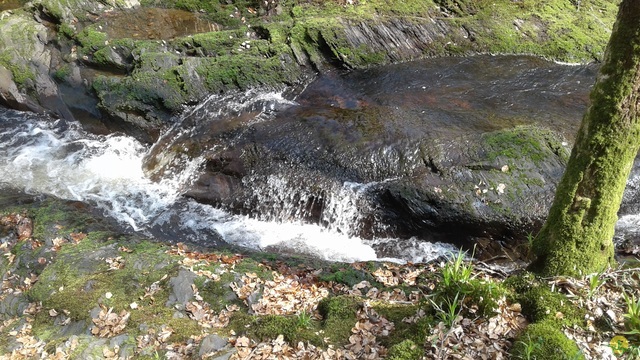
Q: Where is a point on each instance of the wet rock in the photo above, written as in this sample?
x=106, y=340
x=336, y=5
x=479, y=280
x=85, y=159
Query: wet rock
x=455, y=154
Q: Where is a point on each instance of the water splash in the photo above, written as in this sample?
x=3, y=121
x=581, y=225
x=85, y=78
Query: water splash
x=59, y=159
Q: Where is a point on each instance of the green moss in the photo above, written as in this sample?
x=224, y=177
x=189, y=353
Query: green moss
x=405, y=350
x=346, y=275
x=544, y=340
x=479, y=293
x=91, y=40
x=530, y=143
x=403, y=331
x=218, y=294
x=248, y=265
x=552, y=28
x=539, y=303
x=80, y=287
x=21, y=74
x=521, y=283
x=157, y=316
x=270, y=326
x=339, y=316
x=61, y=73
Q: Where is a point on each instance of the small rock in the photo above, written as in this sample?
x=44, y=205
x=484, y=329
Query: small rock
x=182, y=292
x=211, y=344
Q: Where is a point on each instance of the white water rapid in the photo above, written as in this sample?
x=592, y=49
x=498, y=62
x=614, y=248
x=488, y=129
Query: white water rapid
x=39, y=155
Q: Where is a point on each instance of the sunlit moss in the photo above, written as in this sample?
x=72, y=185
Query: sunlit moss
x=546, y=341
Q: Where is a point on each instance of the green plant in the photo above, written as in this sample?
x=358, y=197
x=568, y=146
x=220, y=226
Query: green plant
x=449, y=310
x=529, y=347
x=456, y=270
x=595, y=281
x=530, y=238
x=632, y=316
x=304, y=319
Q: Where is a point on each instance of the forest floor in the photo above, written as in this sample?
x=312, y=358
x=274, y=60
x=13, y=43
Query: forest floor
x=78, y=295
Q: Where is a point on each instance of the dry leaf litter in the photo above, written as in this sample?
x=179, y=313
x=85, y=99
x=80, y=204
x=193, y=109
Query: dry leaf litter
x=292, y=291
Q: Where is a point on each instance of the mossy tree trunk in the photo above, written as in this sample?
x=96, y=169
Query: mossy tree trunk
x=577, y=237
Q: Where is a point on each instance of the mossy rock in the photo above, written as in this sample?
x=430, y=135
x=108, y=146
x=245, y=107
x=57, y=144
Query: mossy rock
x=347, y=275
x=405, y=334
x=513, y=146
x=539, y=303
x=79, y=278
x=544, y=340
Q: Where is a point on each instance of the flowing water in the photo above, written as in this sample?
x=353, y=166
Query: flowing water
x=39, y=155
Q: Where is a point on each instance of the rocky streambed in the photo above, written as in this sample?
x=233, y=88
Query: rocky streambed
x=462, y=150
x=337, y=130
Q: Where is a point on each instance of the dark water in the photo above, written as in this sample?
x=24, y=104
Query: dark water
x=461, y=95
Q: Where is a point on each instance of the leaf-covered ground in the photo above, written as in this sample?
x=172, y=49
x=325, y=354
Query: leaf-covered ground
x=67, y=294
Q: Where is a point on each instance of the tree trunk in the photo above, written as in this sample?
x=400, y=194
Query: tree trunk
x=577, y=238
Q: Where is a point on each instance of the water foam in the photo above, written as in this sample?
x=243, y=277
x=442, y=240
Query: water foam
x=59, y=159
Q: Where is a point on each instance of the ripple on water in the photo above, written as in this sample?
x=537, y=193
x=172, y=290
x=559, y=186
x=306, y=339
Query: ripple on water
x=154, y=24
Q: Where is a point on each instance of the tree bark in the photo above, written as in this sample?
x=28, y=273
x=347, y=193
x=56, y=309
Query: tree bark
x=577, y=238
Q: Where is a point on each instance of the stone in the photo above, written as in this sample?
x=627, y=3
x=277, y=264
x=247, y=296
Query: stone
x=9, y=93
x=211, y=344
x=181, y=290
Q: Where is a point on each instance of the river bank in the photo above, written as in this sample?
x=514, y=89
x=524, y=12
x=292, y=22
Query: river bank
x=73, y=288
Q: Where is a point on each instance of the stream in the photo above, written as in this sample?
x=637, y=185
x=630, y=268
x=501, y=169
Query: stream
x=143, y=186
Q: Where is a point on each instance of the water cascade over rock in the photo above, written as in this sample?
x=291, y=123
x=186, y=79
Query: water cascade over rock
x=462, y=150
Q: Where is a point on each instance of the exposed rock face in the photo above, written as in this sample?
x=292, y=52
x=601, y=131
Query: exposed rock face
x=401, y=39
x=26, y=65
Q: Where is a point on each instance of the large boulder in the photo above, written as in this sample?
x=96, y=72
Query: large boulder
x=24, y=65
x=442, y=151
